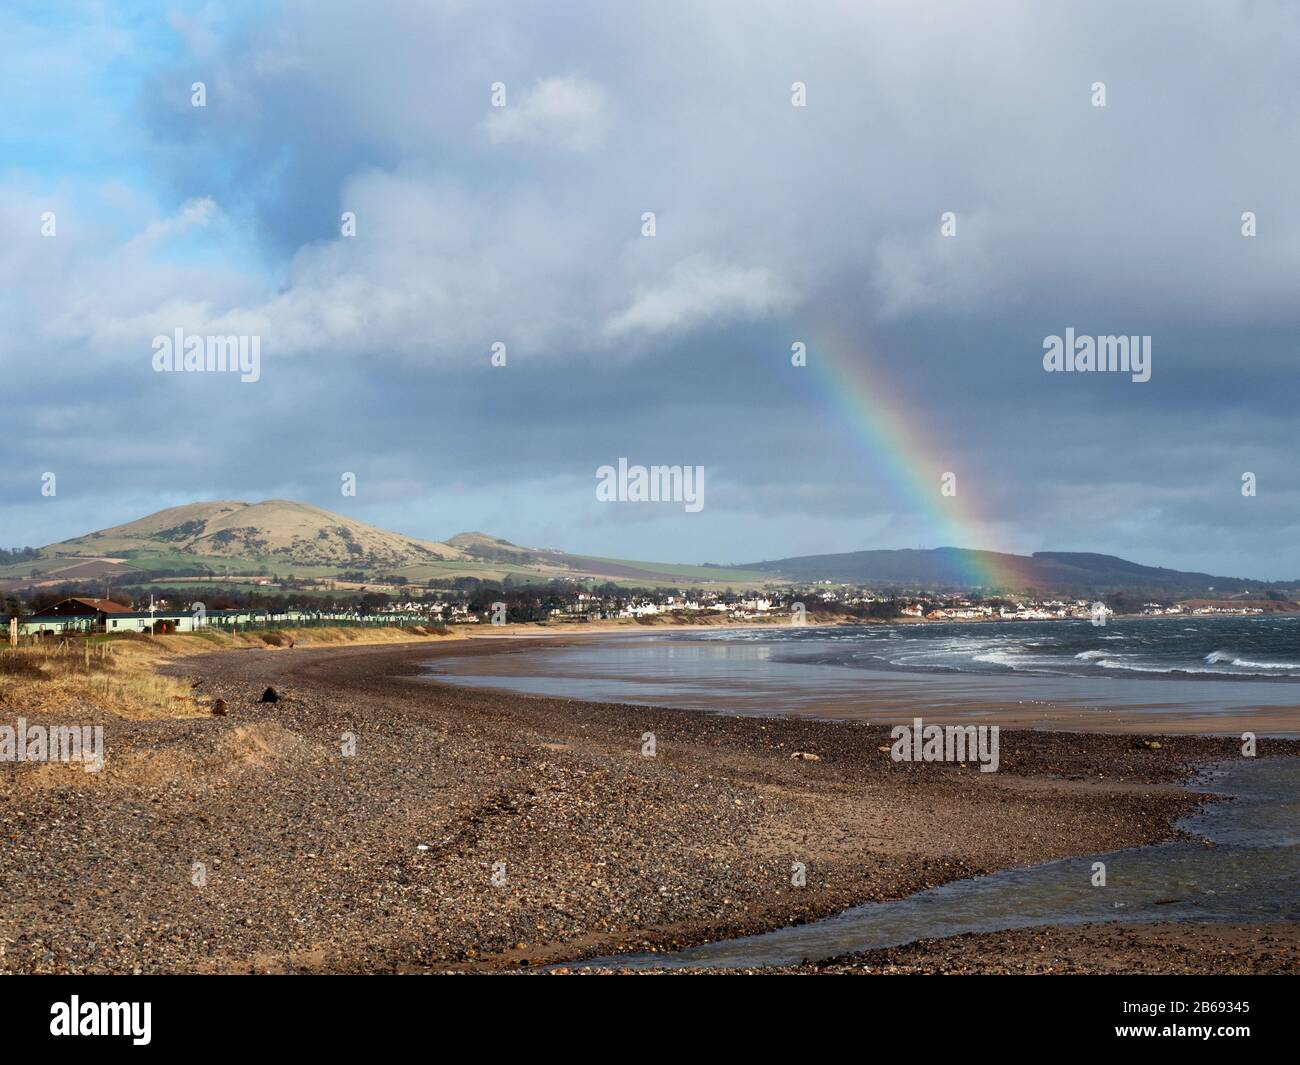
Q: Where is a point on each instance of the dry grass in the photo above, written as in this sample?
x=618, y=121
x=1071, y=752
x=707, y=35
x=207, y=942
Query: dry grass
x=120, y=674
x=49, y=678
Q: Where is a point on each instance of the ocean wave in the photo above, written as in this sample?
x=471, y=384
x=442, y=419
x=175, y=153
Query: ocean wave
x=1108, y=663
x=1246, y=663
x=1000, y=656
x=1131, y=667
x=1219, y=657
x=1263, y=650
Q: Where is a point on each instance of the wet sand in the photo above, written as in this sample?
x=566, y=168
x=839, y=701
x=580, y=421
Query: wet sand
x=385, y=860
x=890, y=697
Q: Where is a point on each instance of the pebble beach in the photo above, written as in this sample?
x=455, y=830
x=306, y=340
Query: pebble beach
x=374, y=820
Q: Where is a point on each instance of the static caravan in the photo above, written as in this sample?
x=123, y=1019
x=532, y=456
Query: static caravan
x=71, y=615
x=143, y=621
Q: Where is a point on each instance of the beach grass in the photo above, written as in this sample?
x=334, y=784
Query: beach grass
x=120, y=673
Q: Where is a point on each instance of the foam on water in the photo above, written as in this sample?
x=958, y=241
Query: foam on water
x=1226, y=666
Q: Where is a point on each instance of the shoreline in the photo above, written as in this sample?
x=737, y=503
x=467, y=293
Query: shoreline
x=780, y=621
x=897, y=707
x=383, y=861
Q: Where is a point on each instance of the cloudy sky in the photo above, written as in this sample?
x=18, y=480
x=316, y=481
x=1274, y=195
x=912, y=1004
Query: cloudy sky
x=774, y=224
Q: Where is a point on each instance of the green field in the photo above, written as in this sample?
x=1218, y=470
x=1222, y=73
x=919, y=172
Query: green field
x=696, y=574
x=241, y=574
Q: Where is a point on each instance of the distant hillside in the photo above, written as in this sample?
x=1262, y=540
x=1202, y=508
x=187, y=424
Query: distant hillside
x=279, y=538
x=273, y=529
x=492, y=548
x=1063, y=572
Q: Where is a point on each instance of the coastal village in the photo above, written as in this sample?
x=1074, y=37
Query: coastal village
x=173, y=613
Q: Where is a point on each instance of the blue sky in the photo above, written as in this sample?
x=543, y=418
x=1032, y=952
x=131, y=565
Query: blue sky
x=774, y=223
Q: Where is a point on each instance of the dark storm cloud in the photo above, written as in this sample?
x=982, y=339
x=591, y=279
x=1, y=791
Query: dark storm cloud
x=774, y=223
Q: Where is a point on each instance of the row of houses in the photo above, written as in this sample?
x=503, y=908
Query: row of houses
x=104, y=615
x=1035, y=611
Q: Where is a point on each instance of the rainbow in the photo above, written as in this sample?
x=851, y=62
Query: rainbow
x=907, y=448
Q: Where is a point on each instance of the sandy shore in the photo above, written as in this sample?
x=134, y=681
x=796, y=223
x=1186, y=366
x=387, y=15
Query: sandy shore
x=896, y=697
x=252, y=843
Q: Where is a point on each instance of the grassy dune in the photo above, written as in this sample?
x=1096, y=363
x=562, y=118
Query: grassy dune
x=120, y=674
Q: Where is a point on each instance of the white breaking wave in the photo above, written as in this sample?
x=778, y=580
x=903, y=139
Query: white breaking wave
x=1239, y=663
x=1106, y=663
x=1246, y=663
x=1218, y=657
x=999, y=657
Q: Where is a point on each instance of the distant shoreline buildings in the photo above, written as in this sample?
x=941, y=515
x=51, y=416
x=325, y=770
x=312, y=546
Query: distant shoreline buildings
x=817, y=605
